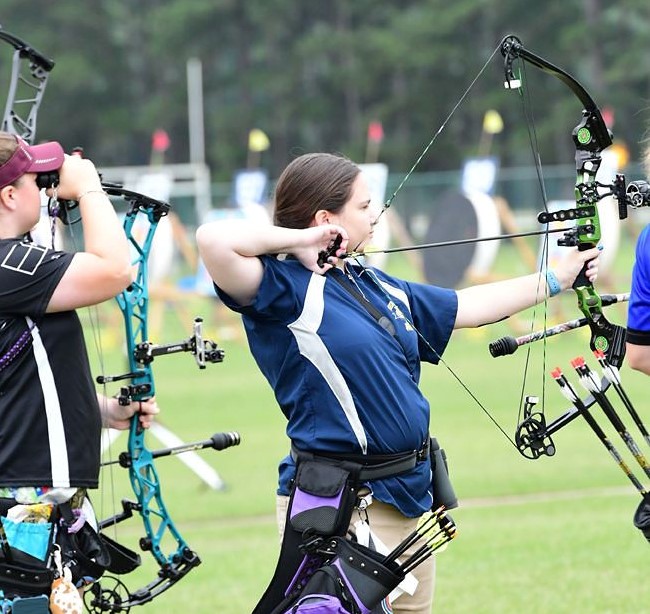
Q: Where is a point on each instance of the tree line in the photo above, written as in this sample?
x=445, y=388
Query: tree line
x=313, y=75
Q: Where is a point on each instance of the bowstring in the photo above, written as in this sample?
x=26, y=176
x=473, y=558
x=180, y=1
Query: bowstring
x=94, y=320
x=377, y=284
x=532, y=134
x=433, y=139
x=527, y=110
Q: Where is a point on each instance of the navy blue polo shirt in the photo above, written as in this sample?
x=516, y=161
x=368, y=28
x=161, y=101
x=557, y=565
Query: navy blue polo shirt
x=345, y=383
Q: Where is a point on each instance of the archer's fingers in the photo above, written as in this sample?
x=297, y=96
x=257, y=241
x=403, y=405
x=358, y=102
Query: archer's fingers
x=146, y=420
x=148, y=407
x=592, y=270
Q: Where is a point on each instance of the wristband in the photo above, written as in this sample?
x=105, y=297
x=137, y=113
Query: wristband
x=553, y=283
x=89, y=192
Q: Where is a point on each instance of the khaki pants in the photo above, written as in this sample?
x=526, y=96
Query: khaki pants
x=391, y=527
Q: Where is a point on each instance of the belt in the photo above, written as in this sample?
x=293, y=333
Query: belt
x=370, y=467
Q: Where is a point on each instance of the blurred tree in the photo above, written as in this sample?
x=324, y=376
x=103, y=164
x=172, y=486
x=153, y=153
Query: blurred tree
x=313, y=75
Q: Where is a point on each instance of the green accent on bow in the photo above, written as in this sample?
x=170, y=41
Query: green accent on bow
x=591, y=136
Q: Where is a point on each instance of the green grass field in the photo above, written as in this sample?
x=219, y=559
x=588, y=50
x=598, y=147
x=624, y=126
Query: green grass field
x=552, y=535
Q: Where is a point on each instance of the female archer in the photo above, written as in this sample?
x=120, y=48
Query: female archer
x=341, y=344
x=50, y=414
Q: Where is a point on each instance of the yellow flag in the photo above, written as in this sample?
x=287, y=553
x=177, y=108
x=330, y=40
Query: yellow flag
x=492, y=122
x=621, y=154
x=257, y=140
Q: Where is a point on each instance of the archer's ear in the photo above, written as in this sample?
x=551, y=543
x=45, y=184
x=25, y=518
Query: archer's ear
x=7, y=197
x=321, y=217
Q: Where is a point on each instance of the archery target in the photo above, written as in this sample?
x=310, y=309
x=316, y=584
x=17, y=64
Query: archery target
x=202, y=282
x=460, y=216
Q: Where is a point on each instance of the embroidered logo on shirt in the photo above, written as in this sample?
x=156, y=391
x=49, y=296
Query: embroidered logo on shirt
x=24, y=258
x=398, y=315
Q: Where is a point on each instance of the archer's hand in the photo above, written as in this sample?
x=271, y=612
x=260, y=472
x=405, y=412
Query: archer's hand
x=118, y=416
x=570, y=266
x=317, y=239
x=76, y=176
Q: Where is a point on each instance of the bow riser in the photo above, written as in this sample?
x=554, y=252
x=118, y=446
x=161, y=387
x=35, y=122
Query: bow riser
x=160, y=530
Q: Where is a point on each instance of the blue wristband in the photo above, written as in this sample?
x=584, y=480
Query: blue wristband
x=553, y=284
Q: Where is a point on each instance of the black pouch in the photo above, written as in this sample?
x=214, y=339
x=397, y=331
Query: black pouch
x=322, y=499
x=354, y=582
x=642, y=518
x=442, y=490
x=24, y=575
x=83, y=552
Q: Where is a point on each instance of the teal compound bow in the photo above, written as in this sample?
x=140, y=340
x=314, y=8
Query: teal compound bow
x=29, y=77
x=110, y=593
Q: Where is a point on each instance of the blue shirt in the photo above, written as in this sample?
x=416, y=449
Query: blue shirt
x=638, y=318
x=344, y=383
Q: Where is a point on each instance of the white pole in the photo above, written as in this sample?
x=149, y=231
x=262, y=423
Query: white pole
x=195, y=110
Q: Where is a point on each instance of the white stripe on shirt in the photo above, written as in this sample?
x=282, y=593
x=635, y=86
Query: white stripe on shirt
x=55, y=431
x=311, y=346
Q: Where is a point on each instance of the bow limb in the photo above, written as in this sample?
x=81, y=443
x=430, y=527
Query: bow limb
x=590, y=137
x=30, y=71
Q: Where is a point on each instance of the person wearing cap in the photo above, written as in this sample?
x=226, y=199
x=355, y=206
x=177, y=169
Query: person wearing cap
x=50, y=414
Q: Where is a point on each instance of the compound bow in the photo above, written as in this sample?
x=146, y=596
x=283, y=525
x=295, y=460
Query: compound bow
x=110, y=594
x=590, y=137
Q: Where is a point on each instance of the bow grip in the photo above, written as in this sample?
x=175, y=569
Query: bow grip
x=581, y=279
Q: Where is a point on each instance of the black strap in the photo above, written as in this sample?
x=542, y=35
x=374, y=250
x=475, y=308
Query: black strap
x=381, y=319
x=373, y=467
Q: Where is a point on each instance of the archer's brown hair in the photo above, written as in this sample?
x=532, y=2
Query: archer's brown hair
x=8, y=145
x=310, y=183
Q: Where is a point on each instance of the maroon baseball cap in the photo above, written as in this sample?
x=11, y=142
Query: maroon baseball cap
x=41, y=158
